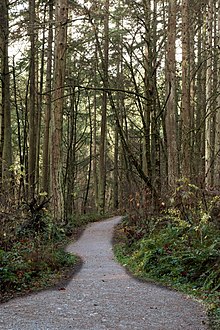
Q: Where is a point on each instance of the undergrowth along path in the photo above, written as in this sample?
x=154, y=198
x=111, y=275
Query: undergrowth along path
x=103, y=296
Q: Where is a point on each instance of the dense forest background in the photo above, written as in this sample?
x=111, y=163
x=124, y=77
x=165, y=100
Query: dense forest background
x=108, y=105
x=111, y=106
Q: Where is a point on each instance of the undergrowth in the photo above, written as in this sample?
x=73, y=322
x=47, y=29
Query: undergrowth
x=29, y=265
x=32, y=248
x=178, y=248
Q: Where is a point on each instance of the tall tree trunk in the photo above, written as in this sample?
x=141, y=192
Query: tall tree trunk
x=185, y=109
x=40, y=103
x=217, y=144
x=6, y=143
x=47, y=116
x=61, y=18
x=32, y=103
x=155, y=117
x=119, y=105
x=209, y=104
x=102, y=150
x=71, y=166
x=192, y=85
x=89, y=171
x=94, y=151
x=171, y=130
x=21, y=188
x=200, y=102
x=147, y=166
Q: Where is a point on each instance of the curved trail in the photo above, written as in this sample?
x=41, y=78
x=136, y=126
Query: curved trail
x=103, y=296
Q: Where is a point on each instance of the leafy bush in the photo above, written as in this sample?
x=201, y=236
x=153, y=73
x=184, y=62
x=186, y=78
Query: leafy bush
x=175, y=254
x=31, y=247
x=181, y=247
x=27, y=261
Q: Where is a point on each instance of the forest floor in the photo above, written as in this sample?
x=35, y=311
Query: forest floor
x=101, y=295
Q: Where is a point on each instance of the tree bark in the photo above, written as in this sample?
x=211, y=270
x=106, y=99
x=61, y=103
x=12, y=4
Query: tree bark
x=217, y=137
x=199, y=136
x=32, y=103
x=6, y=142
x=209, y=105
x=48, y=99
x=171, y=121
x=185, y=109
x=61, y=18
x=102, y=149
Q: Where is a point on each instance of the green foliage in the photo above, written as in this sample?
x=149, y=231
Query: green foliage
x=187, y=200
x=214, y=316
x=176, y=254
x=30, y=251
x=28, y=261
x=31, y=247
x=181, y=249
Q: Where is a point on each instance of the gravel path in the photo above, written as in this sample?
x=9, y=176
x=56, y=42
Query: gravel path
x=103, y=296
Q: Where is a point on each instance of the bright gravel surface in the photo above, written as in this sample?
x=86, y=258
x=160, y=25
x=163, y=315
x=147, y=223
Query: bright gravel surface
x=103, y=296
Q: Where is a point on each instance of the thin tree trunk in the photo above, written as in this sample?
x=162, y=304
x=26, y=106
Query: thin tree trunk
x=94, y=163
x=200, y=103
x=147, y=166
x=102, y=150
x=217, y=144
x=21, y=156
x=89, y=172
x=116, y=170
x=185, y=110
x=209, y=104
x=47, y=116
x=155, y=136
x=192, y=86
x=40, y=106
x=6, y=143
x=32, y=103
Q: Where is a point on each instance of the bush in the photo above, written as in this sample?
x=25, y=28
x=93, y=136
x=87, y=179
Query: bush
x=181, y=247
x=175, y=254
x=28, y=261
x=31, y=247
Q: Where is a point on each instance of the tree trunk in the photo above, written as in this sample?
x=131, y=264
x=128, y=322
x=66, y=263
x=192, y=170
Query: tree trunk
x=61, y=18
x=153, y=99
x=94, y=148
x=185, y=109
x=171, y=130
x=102, y=150
x=192, y=36
x=116, y=170
x=6, y=143
x=32, y=103
x=209, y=104
x=47, y=116
x=71, y=160
x=40, y=103
x=200, y=102
x=147, y=166
x=217, y=124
